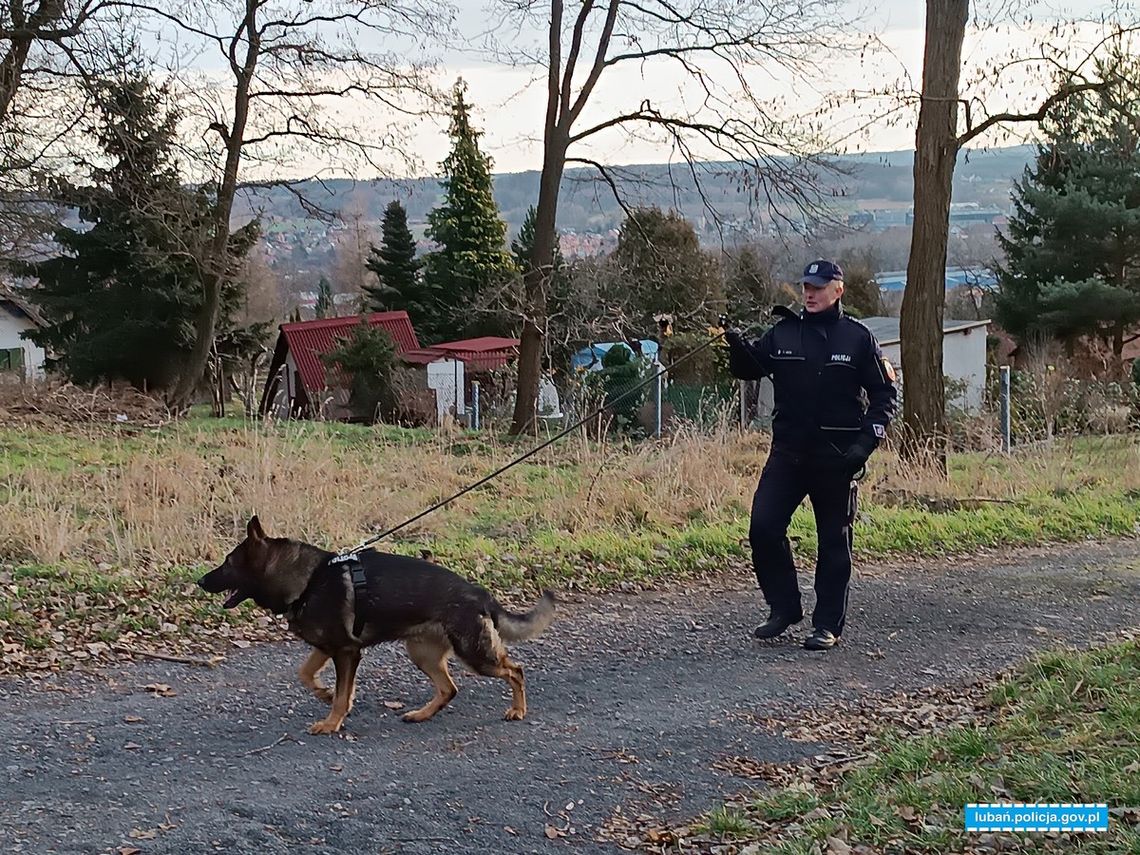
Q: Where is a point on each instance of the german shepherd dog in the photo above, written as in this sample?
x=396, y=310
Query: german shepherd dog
x=431, y=609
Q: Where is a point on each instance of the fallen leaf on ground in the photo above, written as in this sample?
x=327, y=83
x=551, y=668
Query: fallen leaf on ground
x=394, y=705
x=160, y=689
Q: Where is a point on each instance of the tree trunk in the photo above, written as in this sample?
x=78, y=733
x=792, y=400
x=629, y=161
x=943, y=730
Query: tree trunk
x=11, y=70
x=12, y=65
x=215, y=266
x=936, y=150
x=535, y=285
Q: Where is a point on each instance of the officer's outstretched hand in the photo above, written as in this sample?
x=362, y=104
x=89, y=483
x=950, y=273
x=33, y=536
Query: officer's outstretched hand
x=733, y=338
x=859, y=453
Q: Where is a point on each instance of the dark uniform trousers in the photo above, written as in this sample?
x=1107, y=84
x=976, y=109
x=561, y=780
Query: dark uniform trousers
x=788, y=477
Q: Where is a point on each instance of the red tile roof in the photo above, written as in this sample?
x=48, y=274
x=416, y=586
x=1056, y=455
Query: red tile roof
x=481, y=354
x=308, y=340
x=480, y=345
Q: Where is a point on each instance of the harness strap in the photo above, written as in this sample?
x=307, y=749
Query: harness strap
x=359, y=587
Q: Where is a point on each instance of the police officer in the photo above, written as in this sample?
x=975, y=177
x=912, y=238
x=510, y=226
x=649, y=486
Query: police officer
x=834, y=398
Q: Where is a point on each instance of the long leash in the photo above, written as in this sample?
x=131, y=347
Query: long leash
x=364, y=544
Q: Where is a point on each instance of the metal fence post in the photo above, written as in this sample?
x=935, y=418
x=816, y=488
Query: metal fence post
x=657, y=400
x=475, y=404
x=1006, y=438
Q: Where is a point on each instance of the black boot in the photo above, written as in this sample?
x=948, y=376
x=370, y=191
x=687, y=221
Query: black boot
x=775, y=625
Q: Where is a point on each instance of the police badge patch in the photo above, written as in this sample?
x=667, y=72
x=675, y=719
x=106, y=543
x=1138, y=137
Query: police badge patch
x=880, y=431
x=888, y=369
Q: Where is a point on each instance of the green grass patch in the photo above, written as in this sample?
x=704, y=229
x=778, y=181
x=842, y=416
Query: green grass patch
x=1063, y=729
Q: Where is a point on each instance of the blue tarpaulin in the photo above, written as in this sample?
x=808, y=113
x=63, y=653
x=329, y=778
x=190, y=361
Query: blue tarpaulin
x=590, y=357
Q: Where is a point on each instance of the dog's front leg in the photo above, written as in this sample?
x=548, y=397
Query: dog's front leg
x=346, y=662
x=308, y=674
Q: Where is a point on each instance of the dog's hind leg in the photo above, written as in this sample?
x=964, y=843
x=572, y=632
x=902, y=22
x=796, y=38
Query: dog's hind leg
x=430, y=656
x=346, y=662
x=483, y=651
x=308, y=674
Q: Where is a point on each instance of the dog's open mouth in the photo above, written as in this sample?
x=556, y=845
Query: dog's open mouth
x=235, y=597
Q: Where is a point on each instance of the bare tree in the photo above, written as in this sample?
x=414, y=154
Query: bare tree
x=350, y=273
x=54, y=26
x=283, y=63
x=944, y=110
x=722, y=48
x=50, y=52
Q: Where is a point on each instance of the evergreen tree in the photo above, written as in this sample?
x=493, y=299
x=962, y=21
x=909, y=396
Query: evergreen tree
x=472, y=262
x=523, y=243
x=397, y=270
x=667, y=271
x=1072, y=265
x=324, y=307
x=122, y=297
x=366, y=360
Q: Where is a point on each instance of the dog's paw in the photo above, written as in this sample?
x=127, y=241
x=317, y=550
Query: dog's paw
x=324, y=693
x=515, y=714
x=416, y=716
x=324, y=726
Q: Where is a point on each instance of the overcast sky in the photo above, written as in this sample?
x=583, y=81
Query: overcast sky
x=509, y=102
x=510, y=108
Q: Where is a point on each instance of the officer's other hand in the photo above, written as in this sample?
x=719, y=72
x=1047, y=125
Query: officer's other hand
x=733, y=337
x=858, y=454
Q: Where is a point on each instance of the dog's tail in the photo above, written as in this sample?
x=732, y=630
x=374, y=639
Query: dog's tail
x=516, y=627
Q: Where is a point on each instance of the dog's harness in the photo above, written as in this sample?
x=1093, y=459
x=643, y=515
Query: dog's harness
x=359, y=587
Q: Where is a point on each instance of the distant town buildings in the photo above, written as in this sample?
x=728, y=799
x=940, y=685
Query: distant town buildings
x=961, y=214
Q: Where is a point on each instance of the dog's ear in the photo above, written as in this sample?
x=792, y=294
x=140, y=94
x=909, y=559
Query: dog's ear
x=254, y=530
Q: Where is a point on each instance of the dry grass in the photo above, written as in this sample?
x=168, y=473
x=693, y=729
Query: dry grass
x=181, y=495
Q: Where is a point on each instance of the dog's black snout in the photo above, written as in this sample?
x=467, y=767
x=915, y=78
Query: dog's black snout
x=209, y=581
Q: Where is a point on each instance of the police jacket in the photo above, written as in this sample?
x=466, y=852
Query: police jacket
x=833, y=386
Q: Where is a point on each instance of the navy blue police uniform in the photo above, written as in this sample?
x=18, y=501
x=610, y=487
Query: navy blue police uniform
x=835, y=397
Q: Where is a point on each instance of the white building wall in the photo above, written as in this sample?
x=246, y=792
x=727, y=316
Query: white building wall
x=445, y=377
x=963, y=358
x=10, y=329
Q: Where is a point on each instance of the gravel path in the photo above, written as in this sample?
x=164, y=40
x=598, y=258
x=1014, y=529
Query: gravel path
x=632, y=700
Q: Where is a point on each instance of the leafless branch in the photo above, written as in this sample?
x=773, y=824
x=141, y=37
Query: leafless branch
x=1058, y=97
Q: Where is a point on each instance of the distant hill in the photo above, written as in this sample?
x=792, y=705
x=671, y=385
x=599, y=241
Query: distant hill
x=878, y=180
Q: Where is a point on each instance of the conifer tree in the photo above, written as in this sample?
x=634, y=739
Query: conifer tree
x=1072, y=265
x=121, y=298
x=472, y=259
x=397, y=270
x=324, y=307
